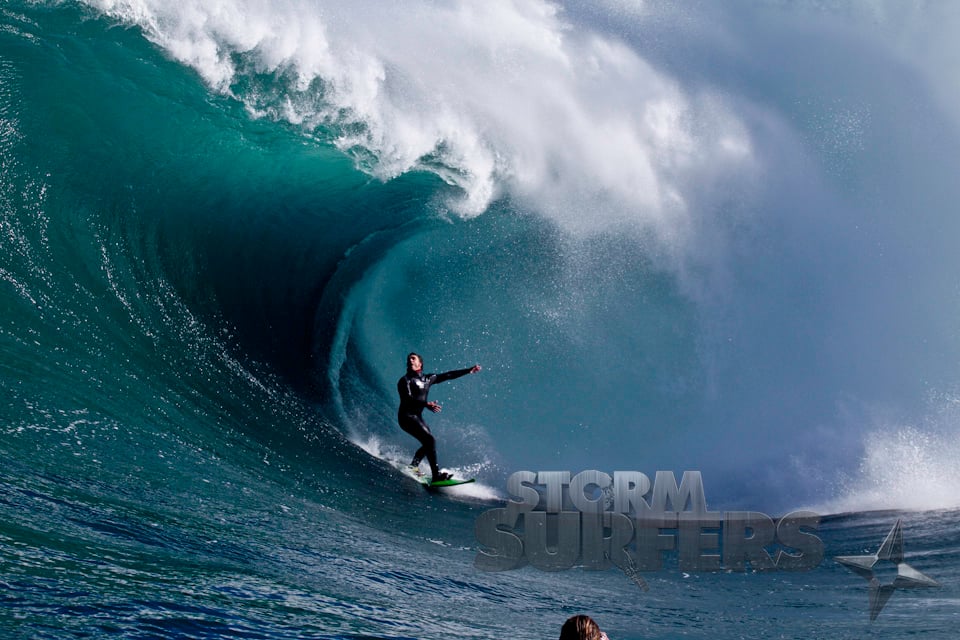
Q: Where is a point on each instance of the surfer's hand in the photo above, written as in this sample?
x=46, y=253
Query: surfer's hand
x=434, y=406
x=475, y=368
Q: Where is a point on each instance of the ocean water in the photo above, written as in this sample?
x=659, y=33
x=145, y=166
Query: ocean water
x=712, y=236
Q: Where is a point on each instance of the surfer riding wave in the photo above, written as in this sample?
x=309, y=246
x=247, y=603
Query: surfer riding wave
x=413, y=389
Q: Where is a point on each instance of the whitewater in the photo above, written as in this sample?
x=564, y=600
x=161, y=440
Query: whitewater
x=676, y=237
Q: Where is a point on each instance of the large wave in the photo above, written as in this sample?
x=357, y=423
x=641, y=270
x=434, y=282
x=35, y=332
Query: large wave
x=711, y=237
x=493, y=97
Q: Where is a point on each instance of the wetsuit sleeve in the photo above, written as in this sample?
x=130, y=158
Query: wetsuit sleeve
x=451, y=375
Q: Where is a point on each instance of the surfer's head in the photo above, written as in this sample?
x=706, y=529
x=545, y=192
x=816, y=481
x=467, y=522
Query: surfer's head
x=414, y=362
x=581, y=628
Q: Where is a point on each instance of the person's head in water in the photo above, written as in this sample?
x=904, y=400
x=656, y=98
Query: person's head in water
x=414, y=362
x=581, y=627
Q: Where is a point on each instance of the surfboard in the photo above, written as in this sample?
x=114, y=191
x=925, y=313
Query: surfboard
x=452, y=482
x=425, y=479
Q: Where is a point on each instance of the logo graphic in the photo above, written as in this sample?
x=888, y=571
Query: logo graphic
x=594, y=521
x=634, y=574
x=890, y=552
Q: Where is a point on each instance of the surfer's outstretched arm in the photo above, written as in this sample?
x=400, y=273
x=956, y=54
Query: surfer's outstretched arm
x=456, y=373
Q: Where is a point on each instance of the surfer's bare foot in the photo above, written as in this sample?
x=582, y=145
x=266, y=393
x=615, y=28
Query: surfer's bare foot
x=443, y=475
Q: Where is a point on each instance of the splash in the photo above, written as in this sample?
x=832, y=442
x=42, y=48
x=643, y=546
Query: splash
x=907, y=467
x=495, y=98
x=396, y=457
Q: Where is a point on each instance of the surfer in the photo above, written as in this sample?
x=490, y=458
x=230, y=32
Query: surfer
x=413, y=389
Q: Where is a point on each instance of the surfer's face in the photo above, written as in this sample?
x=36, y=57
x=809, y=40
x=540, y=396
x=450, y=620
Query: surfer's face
x=414, y=363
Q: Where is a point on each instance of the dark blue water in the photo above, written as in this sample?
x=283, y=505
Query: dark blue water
x=686, y=238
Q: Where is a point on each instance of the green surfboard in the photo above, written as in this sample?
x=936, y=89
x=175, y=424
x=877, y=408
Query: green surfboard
x=425, y=480
x=452, y=482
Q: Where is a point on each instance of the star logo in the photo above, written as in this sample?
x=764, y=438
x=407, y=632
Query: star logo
x=890, y=552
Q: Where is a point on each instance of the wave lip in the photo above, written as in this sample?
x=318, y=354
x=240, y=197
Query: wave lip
x=496, y=99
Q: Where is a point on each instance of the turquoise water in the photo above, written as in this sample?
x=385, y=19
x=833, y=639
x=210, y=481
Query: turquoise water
x=692, y=238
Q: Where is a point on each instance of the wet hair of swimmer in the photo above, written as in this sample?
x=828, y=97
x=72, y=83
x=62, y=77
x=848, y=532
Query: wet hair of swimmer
x=581, y=627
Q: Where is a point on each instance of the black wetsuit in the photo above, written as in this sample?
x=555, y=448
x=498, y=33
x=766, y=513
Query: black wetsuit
x=413, y=389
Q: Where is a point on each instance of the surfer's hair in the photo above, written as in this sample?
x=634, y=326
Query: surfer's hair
x=580, y=627
x=414, y=353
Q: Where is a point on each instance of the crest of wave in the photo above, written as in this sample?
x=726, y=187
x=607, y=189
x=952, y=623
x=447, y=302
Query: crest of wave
x=495, y=97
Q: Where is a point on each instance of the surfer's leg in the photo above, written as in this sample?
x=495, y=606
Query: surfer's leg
x=415, y=426
x=431, y=458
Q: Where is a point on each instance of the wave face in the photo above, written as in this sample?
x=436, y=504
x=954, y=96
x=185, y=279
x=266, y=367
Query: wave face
x=699, y=237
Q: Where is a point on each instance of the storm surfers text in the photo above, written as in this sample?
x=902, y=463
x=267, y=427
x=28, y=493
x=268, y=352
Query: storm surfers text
x=595, y=521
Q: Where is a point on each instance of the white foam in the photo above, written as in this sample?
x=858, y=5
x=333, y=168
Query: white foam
x=493, y=97
x=395, y=456
x=912, y=467
x=473, y=491
x=378, y=449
